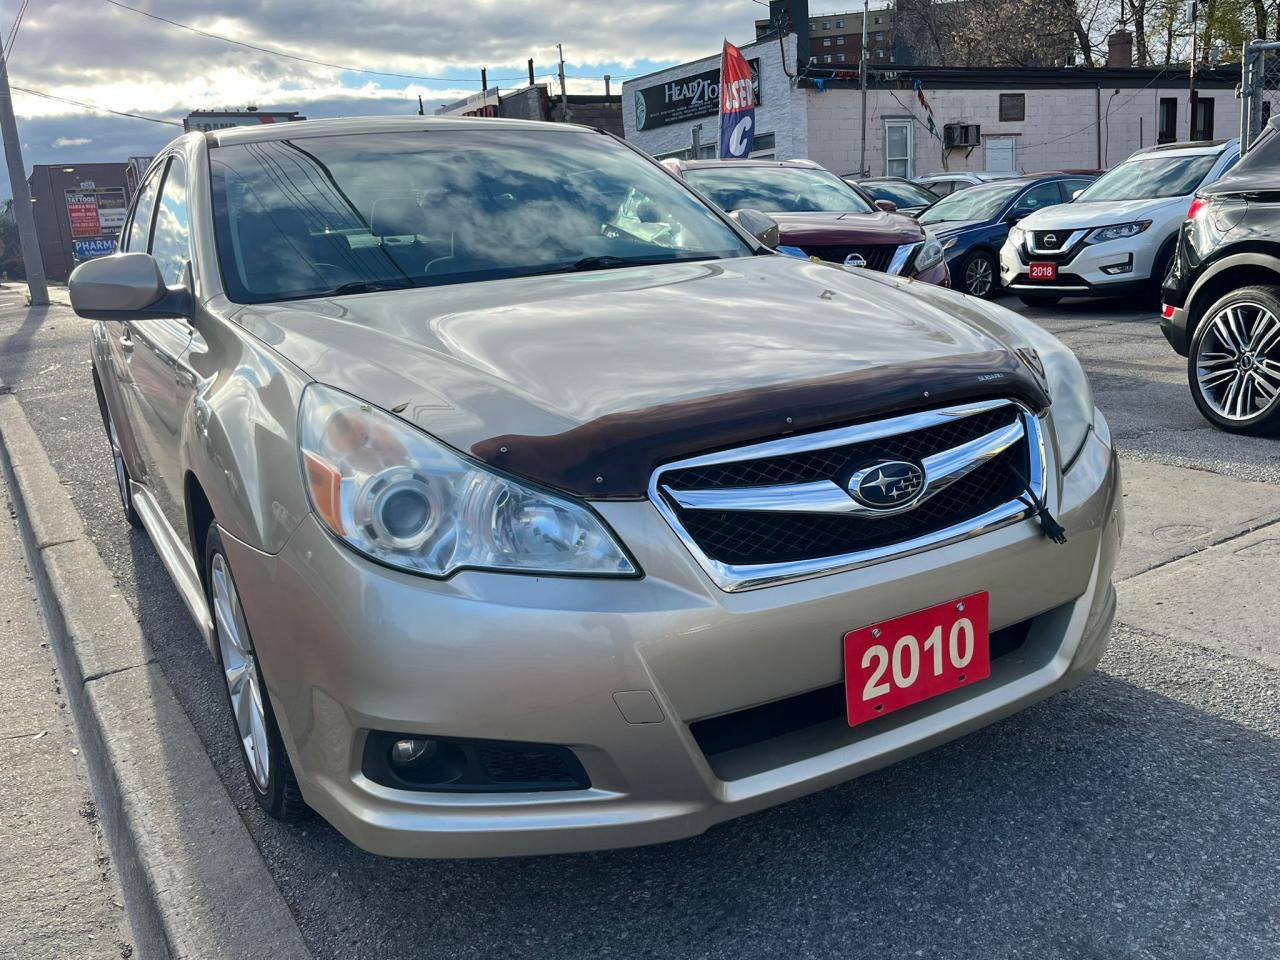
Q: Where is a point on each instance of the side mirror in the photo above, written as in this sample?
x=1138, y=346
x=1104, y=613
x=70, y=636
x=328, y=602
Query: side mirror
x=1014, y=217
x=887, y=206
x=125, y=286
x=760, y=225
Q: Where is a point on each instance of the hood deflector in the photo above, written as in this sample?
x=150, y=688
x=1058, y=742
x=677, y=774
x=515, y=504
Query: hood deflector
x=613, y=457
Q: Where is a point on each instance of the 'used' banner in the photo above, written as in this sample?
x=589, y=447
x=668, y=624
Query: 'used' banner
x=737, y=105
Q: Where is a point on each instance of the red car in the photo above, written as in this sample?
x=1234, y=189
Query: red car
x=819, y=215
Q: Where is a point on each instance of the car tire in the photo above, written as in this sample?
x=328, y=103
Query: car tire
x=978, y=274
x=266, y=764
x=1164, y=260
x=123, y=478
x=1038, y=299
x=1233, y=366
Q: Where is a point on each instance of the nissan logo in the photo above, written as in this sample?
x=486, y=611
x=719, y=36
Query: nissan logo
x=887, y=485
x=855, y=260
x=1050, y=239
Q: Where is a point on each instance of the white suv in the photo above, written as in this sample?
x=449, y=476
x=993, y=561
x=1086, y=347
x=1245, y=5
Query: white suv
x=1117, y=237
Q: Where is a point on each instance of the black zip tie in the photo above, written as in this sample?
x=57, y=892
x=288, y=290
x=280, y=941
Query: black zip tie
x=1048, y=524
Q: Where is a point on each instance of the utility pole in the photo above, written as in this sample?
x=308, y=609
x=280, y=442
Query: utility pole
x=1191, y=88
x=22, y=211
x=484, y=86
x=862, y=77
x=564, y=97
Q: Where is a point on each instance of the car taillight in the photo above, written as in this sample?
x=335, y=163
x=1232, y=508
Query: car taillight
x=1166, y=311
x=1198, y=204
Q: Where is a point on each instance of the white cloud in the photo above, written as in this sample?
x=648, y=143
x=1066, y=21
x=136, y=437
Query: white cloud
x=72, y=141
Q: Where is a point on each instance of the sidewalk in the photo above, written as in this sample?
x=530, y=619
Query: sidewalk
x=58, y=892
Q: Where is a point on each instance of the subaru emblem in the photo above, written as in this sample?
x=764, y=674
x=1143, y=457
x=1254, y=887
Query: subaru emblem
x=887, y=485
x=855, y=260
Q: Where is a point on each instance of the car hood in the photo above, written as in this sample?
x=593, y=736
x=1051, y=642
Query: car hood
x=799, y=229
x=1077, y=216
x=946, y=229
x=587, y=381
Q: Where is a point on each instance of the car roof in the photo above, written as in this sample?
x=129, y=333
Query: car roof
x=341, y=126
x=713, y=164
x=1186, y=148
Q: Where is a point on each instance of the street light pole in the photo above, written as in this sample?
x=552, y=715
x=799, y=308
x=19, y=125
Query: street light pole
x=862, y=76
x=21, y=193
x=1191, y=86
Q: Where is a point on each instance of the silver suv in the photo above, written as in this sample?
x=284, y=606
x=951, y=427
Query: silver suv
x=531, y=504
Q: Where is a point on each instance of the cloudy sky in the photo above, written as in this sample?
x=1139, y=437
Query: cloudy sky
x=98, y=53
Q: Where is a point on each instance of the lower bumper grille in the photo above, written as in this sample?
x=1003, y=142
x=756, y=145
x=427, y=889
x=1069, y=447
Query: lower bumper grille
x=799, y=506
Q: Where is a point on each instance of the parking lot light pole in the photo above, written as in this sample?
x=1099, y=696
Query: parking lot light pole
x=31, y=260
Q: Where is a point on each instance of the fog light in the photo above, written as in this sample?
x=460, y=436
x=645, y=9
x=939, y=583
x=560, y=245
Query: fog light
x=1115, y=268
x=405, y=753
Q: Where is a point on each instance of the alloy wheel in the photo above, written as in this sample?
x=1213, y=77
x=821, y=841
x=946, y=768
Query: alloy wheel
x=978, y=276
x=241, y=671
x=1237, y=361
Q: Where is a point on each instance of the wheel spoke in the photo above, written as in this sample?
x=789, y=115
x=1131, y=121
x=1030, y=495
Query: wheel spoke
x=1236, y=322
x=1265, y=329
x=1217, y=378
x=1267, y=390
x=1215, y=359
x=1222, y=331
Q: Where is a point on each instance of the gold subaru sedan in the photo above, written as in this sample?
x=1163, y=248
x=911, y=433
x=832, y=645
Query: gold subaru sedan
x=530, y=503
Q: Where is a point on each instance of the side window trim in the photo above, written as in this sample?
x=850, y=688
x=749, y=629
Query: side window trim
x=158, y=176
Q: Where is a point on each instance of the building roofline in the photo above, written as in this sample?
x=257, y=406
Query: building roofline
x=1030, y=77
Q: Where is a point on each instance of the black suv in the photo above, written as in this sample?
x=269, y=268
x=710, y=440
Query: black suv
x=1222, y=294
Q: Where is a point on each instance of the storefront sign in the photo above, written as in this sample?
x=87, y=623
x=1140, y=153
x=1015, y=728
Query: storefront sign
x=111, y=210
x=97, y=247
x=686, y=98
x=82, y=211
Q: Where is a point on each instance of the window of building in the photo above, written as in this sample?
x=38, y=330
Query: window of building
x=826, y=24
x=839, y=24
x=1168, y=126
x=879, y=20
x=812, y=26
x=839, y=41
x=840, y=58
x=1202, y=128
x=1013, y=107
x=826, y=41
x=827, y=58
x=899, y=147
x=879, y=54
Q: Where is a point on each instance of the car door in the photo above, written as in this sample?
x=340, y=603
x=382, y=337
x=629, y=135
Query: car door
x=161, y=383
x=117, y=385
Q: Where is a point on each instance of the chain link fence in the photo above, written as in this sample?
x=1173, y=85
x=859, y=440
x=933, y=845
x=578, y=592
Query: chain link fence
x=1259, y=88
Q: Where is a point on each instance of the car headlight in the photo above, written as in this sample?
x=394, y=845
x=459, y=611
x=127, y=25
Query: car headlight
x=403, y=498
x=1017, y=235
x=1071, y=398
x=928, y=256
x=1119, y=231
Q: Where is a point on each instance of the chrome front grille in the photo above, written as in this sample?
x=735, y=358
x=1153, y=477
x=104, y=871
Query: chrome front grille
x=783, y=509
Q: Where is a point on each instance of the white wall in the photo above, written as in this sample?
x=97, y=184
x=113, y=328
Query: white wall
x=1060, y=129
x=781, y=110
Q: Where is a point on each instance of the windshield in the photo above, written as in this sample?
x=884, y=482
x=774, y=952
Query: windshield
x=350, y=214
x=1150, y=178
x=903, y=194
x=778, y=190
x=982, y=201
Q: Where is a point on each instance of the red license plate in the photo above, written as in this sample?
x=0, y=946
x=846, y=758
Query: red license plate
x=891, y=665
x=1043, y=271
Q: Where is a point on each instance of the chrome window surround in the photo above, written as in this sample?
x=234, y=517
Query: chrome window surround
x=734, y=578
x=1075, y=237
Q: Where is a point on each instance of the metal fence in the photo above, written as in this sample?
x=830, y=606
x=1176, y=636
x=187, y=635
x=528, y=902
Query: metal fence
x=1259, y=88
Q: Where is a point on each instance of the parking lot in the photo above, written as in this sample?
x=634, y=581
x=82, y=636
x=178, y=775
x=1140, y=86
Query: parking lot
x=1137, y=816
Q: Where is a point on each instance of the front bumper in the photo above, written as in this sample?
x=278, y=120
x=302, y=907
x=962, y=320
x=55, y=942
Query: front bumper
x=348, y=646
x=1081, y=271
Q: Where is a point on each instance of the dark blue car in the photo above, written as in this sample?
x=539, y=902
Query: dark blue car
x=972, y=224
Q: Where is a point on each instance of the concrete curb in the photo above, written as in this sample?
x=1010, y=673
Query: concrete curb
x=194, y=881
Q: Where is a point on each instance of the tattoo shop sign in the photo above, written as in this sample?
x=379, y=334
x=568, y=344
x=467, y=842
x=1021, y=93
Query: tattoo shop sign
x=686, y=98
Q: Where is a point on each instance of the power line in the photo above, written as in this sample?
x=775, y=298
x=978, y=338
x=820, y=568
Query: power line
x=324, y=63
x=91, y=106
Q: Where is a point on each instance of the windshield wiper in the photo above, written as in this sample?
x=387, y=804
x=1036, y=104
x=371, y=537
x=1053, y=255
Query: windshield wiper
x=367, y=286
x=609, y=262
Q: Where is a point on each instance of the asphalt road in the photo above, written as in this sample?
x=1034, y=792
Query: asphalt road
x=1137, y=816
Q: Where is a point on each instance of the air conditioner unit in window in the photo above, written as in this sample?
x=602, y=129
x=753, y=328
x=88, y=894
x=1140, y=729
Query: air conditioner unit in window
x=962, y=135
